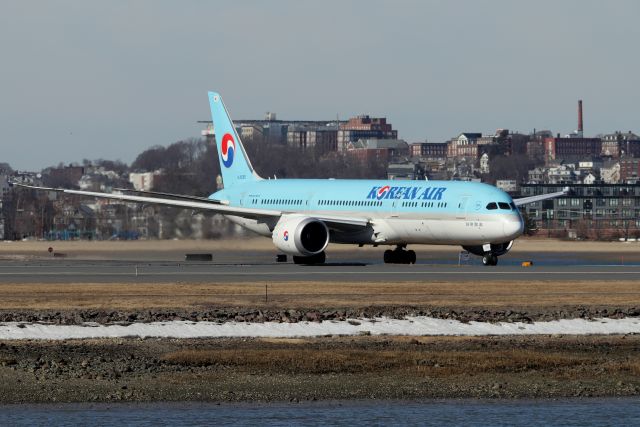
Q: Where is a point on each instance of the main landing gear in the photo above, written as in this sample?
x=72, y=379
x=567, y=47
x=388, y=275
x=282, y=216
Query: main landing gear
x=489, y=259
x=399, y=256
x=310, y=260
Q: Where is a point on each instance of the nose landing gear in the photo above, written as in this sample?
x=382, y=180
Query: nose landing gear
x=399, y=256
x=489, y=251
x=489, y=259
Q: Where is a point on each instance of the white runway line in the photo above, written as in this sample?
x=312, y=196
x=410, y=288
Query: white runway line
x=413, y=326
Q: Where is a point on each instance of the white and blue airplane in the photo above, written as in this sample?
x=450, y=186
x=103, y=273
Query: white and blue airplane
x=302, y=216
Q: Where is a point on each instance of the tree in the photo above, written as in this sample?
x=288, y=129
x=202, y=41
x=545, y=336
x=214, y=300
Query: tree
x=509, y=167
x=5, y=168
x=150, y=159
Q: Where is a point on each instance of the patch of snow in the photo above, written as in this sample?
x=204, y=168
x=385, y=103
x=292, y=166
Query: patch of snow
x=417, y=326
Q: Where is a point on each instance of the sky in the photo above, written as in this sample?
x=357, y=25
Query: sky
x=108, y=79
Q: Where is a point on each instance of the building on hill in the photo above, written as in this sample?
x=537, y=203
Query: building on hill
x=629, y=169
x=625, y=144
x=143, y=181
x=323, y=138
x=610, y=172
x=64, y=176
x=483, y=166
x=364, y=127
x=572, y=149
x=384, y=150
x=429, y=151
x=465, y=145
x=405, y=171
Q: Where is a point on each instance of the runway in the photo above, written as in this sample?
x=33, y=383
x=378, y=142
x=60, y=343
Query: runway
x=79, y=271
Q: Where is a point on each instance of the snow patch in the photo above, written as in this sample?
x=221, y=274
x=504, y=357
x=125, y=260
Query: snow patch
x=380, y=326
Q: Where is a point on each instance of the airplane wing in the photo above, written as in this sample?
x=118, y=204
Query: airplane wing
x=175, y=196
x=531, y=199
x=214, y=206
x=202, y=204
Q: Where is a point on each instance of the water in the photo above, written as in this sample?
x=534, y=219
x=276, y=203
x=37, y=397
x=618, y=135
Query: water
x=584, y=412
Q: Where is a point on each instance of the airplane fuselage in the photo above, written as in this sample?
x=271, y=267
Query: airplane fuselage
x=400, y=212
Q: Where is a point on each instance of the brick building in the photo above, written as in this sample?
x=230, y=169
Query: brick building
x=429, y=150
x=465, y=145
x=572, y=148
x=364, y=127
x=383, y=150
x=324, y=138
x=629, y=169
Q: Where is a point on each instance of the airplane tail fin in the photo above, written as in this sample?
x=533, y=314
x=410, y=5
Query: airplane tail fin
x=234, y=162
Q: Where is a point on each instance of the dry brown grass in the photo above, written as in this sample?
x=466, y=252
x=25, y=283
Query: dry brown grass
x=413, y=362
x=318, y=294
x=633, y=367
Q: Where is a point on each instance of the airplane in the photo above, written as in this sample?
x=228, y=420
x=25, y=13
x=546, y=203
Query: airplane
x=302, y=216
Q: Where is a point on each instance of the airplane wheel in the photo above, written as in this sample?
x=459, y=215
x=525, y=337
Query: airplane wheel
x=388, y=256
x=400, y=256
x=490, y=259
x=411, y=257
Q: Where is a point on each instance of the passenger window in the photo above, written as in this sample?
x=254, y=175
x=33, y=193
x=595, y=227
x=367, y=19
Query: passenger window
x=492, y=206
x=504, y=206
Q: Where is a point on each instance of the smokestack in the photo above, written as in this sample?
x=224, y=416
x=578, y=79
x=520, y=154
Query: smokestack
x=580, y=124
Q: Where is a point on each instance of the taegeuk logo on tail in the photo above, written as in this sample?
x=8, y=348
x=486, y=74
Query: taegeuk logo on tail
x=228, y=150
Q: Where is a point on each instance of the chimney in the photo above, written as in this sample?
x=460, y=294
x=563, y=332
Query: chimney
x=580, y=124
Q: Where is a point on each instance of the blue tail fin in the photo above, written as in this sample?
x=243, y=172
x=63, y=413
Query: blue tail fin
x=234, y=162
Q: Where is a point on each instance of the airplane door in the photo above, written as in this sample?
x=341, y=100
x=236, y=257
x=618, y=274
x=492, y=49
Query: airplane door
x=474, y=220
x=461, y=211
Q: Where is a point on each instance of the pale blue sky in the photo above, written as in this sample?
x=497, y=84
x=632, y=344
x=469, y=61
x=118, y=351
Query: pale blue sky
x=108, y=79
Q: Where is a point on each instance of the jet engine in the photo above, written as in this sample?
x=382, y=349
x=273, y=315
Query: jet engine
x=301, y=236
x=497, y=249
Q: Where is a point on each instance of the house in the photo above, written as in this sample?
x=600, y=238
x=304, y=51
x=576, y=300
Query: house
x=610, y=172
x=465, y=145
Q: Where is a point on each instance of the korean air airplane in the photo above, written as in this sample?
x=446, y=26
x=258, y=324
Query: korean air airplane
x=302, y=216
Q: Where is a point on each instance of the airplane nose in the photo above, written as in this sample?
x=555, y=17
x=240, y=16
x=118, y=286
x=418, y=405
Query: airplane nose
x=513, y=226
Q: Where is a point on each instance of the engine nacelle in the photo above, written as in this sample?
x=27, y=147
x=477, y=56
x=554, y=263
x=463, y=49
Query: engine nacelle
x=300, y=235
x=497, y=249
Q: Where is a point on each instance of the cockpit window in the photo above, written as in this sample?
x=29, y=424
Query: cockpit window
x=513, y=206
x=491, y=206
x=504, y=206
